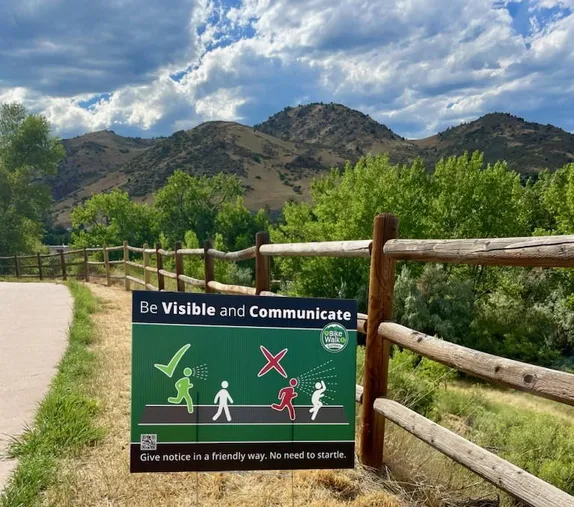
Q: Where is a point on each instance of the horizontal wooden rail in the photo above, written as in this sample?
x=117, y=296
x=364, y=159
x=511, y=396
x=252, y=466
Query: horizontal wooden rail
x=96, y=263
x=135, y=249
x=149, y=251
x=501, y=473
x=114, y=248
x=57, y=254
x=323, y=249
x=169, y=274
x=241, y=255
x=271, y=294
x=132, y=264
x=191, y=251
x=95, y=249
x=166, y=253
x=192, y=281
x=540, y=251
x=149, y=286
x=152, y=269
x=115, y=262
x=544, y=382
x=80, y=263
x=135, y=280
x=231, y=289
x=73, y=252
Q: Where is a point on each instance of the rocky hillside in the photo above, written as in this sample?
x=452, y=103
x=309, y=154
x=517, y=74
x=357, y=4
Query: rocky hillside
x=527, y=147
x=337, y=128
x=277, y=159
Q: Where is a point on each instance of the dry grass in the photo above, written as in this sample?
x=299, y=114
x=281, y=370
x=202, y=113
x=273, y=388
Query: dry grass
x=524, y=401
x=101, y=476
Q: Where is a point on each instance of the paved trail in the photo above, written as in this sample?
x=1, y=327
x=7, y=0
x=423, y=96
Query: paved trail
x=34, y=320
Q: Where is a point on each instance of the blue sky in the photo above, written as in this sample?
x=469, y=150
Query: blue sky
x=149, y=68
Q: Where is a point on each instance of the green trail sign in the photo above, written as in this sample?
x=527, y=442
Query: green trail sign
x=241, y=383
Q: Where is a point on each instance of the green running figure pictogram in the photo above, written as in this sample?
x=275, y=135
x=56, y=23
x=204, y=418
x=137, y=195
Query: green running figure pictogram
x=182, y=386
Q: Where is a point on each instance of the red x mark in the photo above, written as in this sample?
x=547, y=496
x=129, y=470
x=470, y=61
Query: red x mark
x=272, y=362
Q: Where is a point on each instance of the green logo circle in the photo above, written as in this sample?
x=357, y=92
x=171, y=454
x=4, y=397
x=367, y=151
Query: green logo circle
x=334, y=337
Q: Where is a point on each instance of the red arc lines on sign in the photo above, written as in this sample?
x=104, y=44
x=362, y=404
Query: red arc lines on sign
x=272, y=362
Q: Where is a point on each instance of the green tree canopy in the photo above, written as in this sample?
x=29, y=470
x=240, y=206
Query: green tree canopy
x=558, y=198
x=189, y=203
x=28, y=152
x=112, y=218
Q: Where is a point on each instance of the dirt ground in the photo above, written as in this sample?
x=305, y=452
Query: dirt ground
x=100, y=477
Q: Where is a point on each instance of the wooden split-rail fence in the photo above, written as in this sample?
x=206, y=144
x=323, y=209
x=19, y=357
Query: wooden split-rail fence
x=384, y=250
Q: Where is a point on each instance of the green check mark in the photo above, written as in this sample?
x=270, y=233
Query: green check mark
x=170, y=367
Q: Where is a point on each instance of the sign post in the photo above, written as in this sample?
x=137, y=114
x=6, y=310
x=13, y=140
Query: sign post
x=242, y=383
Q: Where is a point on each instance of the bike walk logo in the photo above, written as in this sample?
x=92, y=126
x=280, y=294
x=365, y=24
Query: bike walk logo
x=334, y=337
x=314, y=391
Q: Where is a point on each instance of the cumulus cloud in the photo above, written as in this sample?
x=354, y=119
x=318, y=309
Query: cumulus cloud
x=416, y=65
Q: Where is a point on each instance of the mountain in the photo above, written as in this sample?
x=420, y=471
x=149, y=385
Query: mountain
x=277, y=159
x=273, y=170
x=91, y=165
x=347, y=132
x=527, y=147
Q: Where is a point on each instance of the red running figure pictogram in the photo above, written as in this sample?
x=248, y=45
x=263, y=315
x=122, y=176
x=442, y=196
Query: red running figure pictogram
x=287, y=395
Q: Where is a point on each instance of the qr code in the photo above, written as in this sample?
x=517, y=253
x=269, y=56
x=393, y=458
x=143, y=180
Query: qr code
x=148, y=442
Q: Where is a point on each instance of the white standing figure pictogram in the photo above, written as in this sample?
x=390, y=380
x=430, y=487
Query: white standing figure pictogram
x=223, y=398
x=320, y=389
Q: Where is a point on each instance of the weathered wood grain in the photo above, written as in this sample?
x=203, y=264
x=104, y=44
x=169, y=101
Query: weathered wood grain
x=540, y=251
x=322, y=249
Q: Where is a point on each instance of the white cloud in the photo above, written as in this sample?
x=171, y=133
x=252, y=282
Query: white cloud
x=419, y=65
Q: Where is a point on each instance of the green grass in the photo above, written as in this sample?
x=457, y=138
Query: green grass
x=65, y=421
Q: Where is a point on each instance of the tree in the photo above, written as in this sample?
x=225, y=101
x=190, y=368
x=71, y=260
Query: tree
x=112, y=218
x=28, y=152
x=473, y=201
x=343, y=206
x=558, y=198
x=189, y=203
x=238, y=226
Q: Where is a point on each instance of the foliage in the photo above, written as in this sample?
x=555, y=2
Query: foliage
x=27, y=153
x=112, y=218
x=558, y=198
x=238, y=226
x=413, y=381
x=434, y=303
x=511, y=312
x=189, y=203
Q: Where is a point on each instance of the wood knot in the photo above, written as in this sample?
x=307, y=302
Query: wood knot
x=419, y=339
x=528, y=379
x=497, y=369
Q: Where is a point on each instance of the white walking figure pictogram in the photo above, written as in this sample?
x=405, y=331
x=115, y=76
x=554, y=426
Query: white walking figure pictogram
x=223, y=398
x=320, y=389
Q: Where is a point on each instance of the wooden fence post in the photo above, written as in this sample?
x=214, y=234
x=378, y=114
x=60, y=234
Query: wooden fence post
x=17, y=266
x=381, y=289
x=146, y=264
x=107, y=264
x=40, y=266
x=126, y=267
x=179, y=267
x=86, y=267
x=262, y=276
x=63, y=264
x=209, y=265
x=159, y=260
